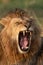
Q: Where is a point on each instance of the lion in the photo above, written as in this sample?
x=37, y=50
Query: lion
x=20, y=39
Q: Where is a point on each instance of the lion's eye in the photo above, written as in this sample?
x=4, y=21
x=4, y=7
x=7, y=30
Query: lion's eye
x=1, y=27
x=17, y=23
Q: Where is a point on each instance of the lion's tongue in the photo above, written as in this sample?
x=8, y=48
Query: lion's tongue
x=24, y=42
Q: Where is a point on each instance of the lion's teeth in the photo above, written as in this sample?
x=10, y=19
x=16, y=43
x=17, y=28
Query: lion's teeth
x=23, y=33
x=26, y=47
x=22, y=47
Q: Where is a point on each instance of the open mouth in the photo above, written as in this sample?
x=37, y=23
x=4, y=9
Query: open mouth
x=24, y=40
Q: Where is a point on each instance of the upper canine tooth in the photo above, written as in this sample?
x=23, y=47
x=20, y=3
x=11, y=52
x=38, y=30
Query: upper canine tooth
x=30, y=33
x=23, y=32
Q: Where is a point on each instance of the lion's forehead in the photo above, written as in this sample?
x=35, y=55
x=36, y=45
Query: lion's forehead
x=18, y=20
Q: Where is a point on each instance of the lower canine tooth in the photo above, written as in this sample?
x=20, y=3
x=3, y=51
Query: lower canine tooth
x=22, y=47
x=26, y=47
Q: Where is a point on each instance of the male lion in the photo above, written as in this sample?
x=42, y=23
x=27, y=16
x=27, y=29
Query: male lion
x=20, y=40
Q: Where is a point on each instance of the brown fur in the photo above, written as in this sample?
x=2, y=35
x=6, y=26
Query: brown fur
x=8, y=40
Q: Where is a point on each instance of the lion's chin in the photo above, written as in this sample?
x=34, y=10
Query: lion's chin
x=24, y=41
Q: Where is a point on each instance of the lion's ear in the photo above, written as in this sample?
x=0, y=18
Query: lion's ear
x=4, y=21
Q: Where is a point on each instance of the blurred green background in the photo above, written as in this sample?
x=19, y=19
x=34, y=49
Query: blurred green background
x=35, y=7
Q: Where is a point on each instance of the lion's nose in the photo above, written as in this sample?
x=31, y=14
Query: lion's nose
x=27, y=26
x=28, y=23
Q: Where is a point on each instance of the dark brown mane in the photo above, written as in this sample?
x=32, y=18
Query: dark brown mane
x=18, y=13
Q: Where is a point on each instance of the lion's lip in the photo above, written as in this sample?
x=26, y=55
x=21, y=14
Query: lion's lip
x=24, y=40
